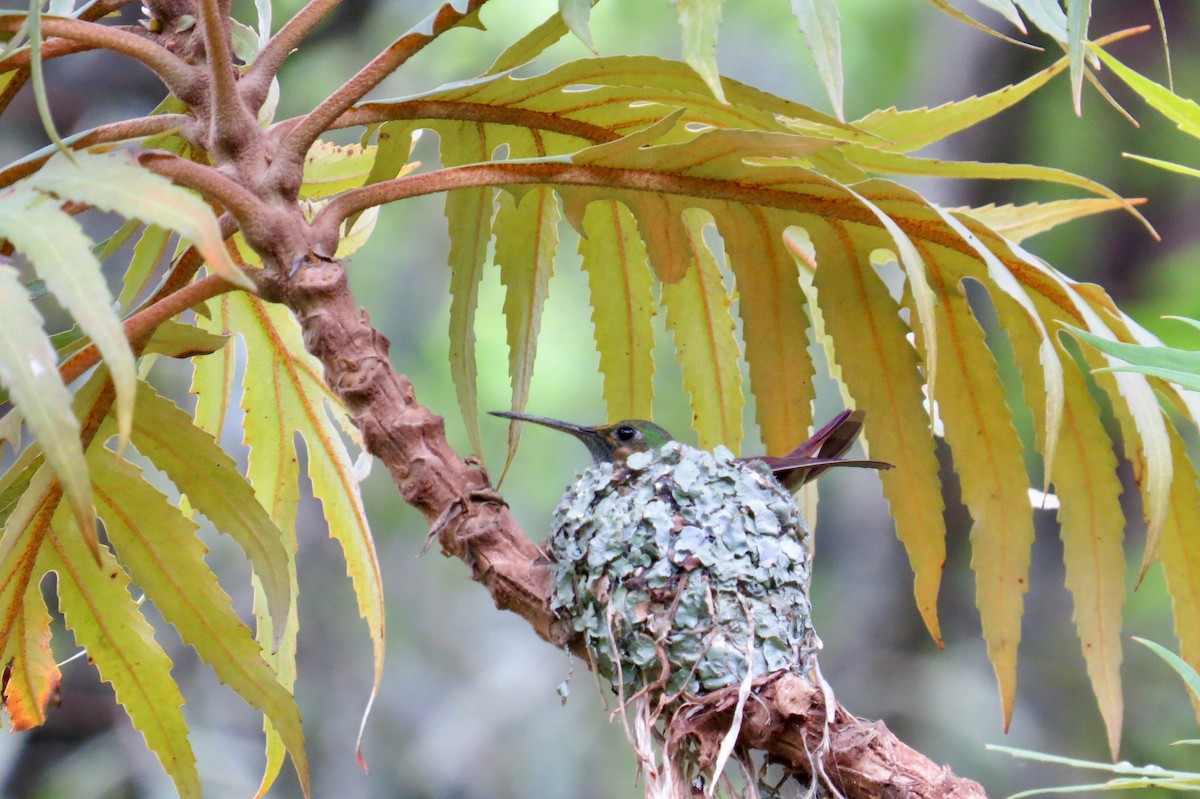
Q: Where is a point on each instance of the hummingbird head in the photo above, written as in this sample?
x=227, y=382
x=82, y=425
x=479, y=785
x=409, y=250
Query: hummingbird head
x=608, y=443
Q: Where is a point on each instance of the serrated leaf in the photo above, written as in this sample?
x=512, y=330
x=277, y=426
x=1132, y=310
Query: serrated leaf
x=622, y=306
x=699, y=20
x=698, y=316
x=994, y=486
x=28, y=368
x=112, y=181
x=775, y=331
x=820, y=26
x=31, y=676
x=107, y=622
x=1019, y=222
x=526, y=241
x=62, y=255
x=180, y=340
x=203, y=471
x=158, y=544
x=289, y=382
x=945, y=7
x=1047, y=15
x=880, y=369
x=469, y=215
x=912, y=129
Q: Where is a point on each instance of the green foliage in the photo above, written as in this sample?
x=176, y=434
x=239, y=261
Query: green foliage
x=652, y=162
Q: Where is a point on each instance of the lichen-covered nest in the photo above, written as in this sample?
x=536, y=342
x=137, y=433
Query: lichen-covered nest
x=682, y=569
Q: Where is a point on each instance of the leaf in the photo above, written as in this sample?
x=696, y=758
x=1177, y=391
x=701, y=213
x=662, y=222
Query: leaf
x=332, y=168
x=700, y=20
x=469, y=214
x=112, y=181
x=576, y=14
x=909, y=130
x=1178, y=366
x=209, y=477
x=622, y=306
x=537, y=41
x=698, y=316
x=820, y=26
x=158, y=544
x=1019, y=222
x=31, y=676
x=774, y=328
x=180, y=340
x=880, y=370
x=29, y=370
x=289, y=396
x=1047, y=15
x=108, y=623
x=61, y=253
x=1187, y=672
x=526, y=233
x=147, y=254
x=1185, y=113
x=945, y=7
x=1078, y=13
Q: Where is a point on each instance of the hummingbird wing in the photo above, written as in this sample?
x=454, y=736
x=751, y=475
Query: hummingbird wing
x=822, y=451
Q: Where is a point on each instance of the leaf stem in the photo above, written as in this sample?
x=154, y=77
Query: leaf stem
x=289, y=161
x=247, y=209
x=233, y=128
x=255, y=84
x=143, y=323
x=179, y=77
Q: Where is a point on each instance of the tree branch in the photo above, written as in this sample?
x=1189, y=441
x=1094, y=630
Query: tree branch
x=117, y=131
x=289, y=161
x=179, y=77
x=233, y=129
x=255, y=84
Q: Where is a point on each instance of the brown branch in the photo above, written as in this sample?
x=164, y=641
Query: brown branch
x=289, y=162
x=255, y=84
x=117, y=131
x=179, y=77
x=231, y=125
x=143, y=323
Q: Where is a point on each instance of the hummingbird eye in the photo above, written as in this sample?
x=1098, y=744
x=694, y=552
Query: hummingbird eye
x=626, y=433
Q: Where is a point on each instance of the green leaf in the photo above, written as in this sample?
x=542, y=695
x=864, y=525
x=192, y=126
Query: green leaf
x=698, y=316
x=107, y=622
x=699, y=20
x=158, y=544
x=62, y=255
x=28, y=368
x=332, y=168
x=1178, y=366
x=1019, y=222
x=1078, y=13
x=469, y=214
x=622, y=306
x=114, y=182
x=819, y=24
x=1183, y=112
x=1190, y=678
x=147, y=254
x=203, y=471
x=180, y=340
x=536, y=42
x=526, y=241
x=289, y=396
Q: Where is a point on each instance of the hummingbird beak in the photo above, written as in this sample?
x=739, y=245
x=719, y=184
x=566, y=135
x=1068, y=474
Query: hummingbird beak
x=579, y=431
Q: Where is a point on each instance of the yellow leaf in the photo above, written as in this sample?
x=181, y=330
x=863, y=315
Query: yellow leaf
x=698, y=316
x=622, y=306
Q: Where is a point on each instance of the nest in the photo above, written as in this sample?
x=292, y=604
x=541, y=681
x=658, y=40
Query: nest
x=685, y=573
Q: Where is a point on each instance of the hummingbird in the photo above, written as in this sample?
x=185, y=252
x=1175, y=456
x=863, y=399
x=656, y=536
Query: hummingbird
x=613, y=443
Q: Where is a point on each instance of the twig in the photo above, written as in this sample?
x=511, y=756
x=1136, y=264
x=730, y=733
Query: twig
x=255, y=84
x=179, y=77
x=289, y=161
x=249, y=211
x=145, y=322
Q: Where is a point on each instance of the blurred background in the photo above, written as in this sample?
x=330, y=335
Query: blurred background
x=469, y=707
